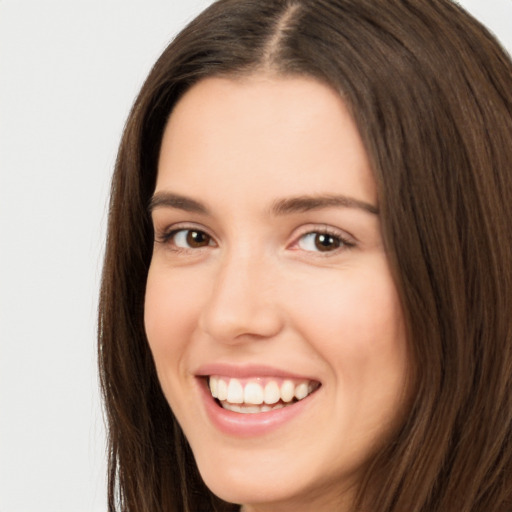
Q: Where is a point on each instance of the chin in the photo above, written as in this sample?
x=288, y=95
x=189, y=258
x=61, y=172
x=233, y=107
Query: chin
x=274, y=481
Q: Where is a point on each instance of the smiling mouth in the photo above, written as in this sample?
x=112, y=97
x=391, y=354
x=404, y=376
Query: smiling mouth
x=258, y=395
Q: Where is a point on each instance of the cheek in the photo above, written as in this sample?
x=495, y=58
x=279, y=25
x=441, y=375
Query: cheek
x=355, y=324
x=170, y=316
x=362, y=308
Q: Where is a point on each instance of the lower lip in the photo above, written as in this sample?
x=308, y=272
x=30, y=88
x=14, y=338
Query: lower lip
x=249, y=424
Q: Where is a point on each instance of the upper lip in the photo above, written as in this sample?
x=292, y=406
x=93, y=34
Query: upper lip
x=247, y=371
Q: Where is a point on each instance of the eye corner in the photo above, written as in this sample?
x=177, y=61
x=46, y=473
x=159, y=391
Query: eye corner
x=183, y=238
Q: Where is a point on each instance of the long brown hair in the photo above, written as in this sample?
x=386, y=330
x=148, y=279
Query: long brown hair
x=431, y=92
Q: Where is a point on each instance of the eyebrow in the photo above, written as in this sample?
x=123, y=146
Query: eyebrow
x=279, y=207
x=170, y=200
x=307, y=203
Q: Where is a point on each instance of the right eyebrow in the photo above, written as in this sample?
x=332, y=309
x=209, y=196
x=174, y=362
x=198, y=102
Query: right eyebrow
x=171, y=200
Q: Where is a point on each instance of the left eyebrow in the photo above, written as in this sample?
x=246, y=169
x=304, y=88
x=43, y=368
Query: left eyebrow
x=302, y=204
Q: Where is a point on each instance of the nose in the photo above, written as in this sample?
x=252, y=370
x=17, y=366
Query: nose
x=243, y=304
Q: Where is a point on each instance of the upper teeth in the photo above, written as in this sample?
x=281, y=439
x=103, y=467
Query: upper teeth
x=255, y=392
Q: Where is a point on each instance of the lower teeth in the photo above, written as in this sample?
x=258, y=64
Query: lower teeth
x=252, y=409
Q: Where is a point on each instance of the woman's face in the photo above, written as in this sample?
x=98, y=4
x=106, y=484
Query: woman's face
x=270, y=290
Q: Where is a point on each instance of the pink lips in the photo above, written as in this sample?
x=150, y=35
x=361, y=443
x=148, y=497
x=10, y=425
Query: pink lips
x=247, y=371
x=248, y=425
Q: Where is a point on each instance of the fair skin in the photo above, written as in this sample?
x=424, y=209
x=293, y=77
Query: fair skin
x=269, y=272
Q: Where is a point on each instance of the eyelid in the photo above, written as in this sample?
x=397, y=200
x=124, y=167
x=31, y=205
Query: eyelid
x=164, y=235
x=347, y=239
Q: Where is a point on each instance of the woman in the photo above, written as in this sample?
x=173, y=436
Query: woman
x=308, y=284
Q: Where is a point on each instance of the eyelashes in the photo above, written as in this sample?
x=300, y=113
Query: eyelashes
x=189, y=239
x=184, y=239
x=323, y=240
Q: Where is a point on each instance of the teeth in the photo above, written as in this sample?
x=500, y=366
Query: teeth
x=235, y=392
x=250, y=409
x=272, y=393
x=254, y=393
x=287, y=391
x=214, y=384
x=222, y=389
x=301, y=391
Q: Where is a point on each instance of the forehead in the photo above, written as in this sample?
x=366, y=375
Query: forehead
x=262, y=133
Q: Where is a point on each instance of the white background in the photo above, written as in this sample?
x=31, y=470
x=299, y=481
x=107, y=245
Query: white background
x=69, y=71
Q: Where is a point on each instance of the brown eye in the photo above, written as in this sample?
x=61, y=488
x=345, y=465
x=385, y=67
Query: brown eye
x=189, y=239
x=321, y=242
x=196, y=239
x=325, y=242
